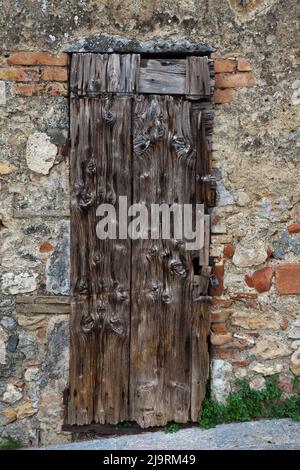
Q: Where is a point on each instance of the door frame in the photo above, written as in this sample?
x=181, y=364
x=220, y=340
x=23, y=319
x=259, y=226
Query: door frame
x=165, y=49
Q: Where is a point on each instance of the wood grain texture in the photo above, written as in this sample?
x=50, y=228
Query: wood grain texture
x=199, y=364
x=162, y=76
x=204, y=252
x=206, y=191
x=95, y=74
x=139, y=318
x=100, y=279
x=122, y=73
x=197, y=78
x=162, y=315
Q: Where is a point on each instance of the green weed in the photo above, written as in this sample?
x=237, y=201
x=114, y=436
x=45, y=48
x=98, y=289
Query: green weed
x=9, y=443
x=171, y=427
x=245, y=404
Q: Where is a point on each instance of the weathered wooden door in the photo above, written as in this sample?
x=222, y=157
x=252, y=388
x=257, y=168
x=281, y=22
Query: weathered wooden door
x=139, y=128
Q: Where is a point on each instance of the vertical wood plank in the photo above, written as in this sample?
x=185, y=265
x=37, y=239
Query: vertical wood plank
x=205, y=192
x=80, y=406
x=100, y=170
x=95, y=74
x=88, y=74
x=162, y=270
x=204, y=252
x=146, y=348
x=114, y=180
x=179, y=186
x=122, y=73
x=199, y=364
x=197, y=78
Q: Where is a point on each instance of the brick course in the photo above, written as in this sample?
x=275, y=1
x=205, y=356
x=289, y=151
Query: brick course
x=37, y=58
x=235, y=80
x=231, y=74
x=55, y=74
x=36, y=73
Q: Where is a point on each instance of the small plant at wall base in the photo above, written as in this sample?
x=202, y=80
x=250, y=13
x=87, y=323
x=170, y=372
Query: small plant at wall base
x=9, y=443
x=172, y=427
x=245, y=404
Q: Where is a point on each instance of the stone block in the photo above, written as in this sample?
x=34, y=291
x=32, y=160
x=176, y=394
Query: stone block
x=253, y=320
x=221, y=378
x=40, y=153
x=270, y=347
x=37, y=58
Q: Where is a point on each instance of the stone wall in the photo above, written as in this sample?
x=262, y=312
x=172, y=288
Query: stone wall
x=255, y=310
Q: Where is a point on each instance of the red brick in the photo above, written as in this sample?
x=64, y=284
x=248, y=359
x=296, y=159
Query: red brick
x=240, y=362
x=244, y=65
x=219, y=328
x=225, y=65
x=228, y=250
x=27, y=89
x=224, y=96
x=55, y=74
x=235, y=80
x=223, y=353
x=288, y=279
x=243, y=295
x=37, y=58
x=294, y=228
x=46, y=247
x=19, y=74
x=218, y=272
x=260, y=280
x=220, y=340
x=249, y=281
x=34, y=89
x=220, y=317
x=222, y=302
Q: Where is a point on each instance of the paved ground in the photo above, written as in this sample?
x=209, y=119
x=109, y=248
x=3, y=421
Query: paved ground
x=265, y=434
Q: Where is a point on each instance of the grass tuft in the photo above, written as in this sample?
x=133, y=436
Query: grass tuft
x=171, y=427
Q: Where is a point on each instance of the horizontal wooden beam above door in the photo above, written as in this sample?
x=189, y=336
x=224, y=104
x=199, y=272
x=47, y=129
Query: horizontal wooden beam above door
x=96, y=74
x=160, y=76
